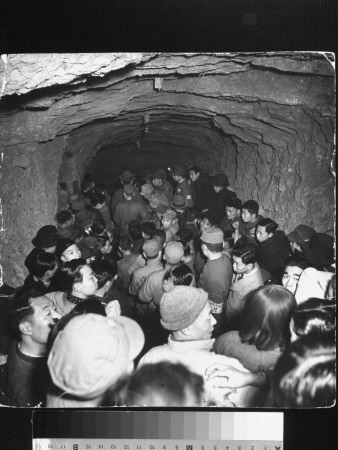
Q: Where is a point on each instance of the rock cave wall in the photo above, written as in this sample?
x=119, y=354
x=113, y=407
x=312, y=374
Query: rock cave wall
x=265, y=119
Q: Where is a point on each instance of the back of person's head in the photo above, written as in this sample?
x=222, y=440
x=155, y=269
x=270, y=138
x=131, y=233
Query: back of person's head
x=269, y=225
x=148, y=228
x=43, y=262
x=160, y=236
x=184, y=235
x=191, y=214
x=96, y=198
x=180, y=275
x=266, y=317
x=63, y=216
x=99, y=226
x=251, y=206
x=22, y=310
x=305, y=374
x=210, y=217
x=163, y=384
x=314, y=316
x=245, y=251
x=104, y=271
x=125, y=243
x=135, y=230
x=70, y=273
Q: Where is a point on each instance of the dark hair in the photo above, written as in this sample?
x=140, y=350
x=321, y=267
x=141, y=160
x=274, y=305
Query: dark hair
x=211, y=218
x=125, y=243
x=305, y=375
x=294, y=261
x=195, y=169
x=22, y=310
x=192, y=214
x=269, y=225
x=63, y=216
x=161, y=235
x=96, y=198
x=184, y=234
x=86, y=184
x=246, y=252
x=135, y=230
x=214, y=248
x=70, y=273
x=42, y=262
x=228, y=237
x=252, y=206
x=181, y=275
x=89, y=306
x=148, y=228
x=159, y=384
x=99, y=226
x=104, y=271
x=266, y=317
x=314, y=316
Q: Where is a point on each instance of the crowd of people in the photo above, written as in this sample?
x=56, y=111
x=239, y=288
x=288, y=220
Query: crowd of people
x=170, y=292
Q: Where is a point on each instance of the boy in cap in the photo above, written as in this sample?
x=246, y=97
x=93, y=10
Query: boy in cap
x=220, y=184
x=45, y=240
x=216, y=275
x=152, y=253
x=186, y=312
x=182, y=185
x=298, y=237
x=170, y=224
x=127, y=211
x=179, y=205
x=87, y=358
x=162, y=185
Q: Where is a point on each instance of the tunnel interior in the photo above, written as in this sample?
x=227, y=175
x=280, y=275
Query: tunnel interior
x=264, y=119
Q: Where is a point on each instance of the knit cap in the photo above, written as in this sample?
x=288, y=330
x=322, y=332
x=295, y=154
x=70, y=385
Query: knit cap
x=302, y=233
x=92, y=352
x=180, y=307
x=169, y=214
x=212, y=235
x=174, y=252
x=129, y=189
x=151, y=248
x=78, y=204
x=147, y=189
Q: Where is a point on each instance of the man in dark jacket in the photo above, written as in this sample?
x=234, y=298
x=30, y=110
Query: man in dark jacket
x=220, y=184
x=202, y=191
x=273, y=247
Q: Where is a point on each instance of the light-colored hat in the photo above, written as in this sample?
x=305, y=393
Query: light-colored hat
x=92, y=352
x=169, y=214
x=212, y=235
x=180, y=307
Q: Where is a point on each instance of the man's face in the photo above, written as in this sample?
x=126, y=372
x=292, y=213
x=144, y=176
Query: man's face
x=177, y=177
x=106, y=248
x=43, y=319
x=203, y=326
x=166, y=223
x=232, y=213
x=157, y=182
x=261, y=234
x=193, y=175
x=295, y=247
x=291, y=277
x=153, y=205
x=204, y=224
x=247, y=216
x=72, y=252
x=88, y=286
x=239, y=266
x=217, y=189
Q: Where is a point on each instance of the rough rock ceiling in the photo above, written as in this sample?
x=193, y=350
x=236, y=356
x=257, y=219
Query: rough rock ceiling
x=266, y=119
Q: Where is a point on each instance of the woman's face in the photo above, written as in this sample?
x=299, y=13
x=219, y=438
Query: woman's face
x=291, y=277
